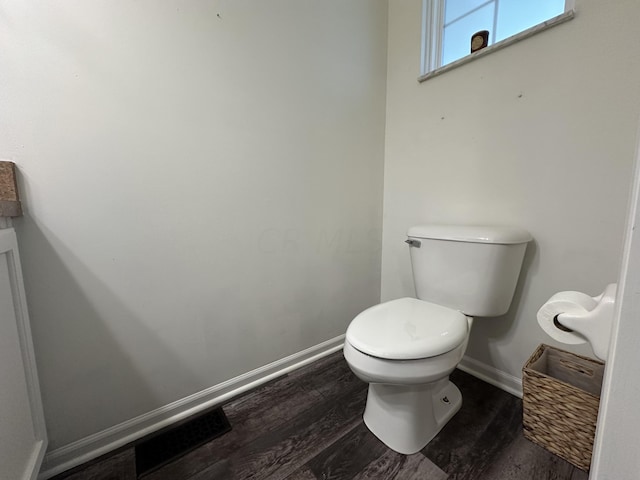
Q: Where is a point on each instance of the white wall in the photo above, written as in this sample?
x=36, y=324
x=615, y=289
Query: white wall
x=539, y=135
x=203, y=189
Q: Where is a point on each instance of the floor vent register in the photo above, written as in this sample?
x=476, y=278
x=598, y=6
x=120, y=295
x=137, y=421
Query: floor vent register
x=168, y=445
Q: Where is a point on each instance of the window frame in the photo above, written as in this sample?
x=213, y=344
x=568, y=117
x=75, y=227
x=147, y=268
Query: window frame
x=433, y=30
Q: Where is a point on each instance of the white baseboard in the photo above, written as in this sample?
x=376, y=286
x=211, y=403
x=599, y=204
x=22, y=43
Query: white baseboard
x=492, y=375
x=88, y=448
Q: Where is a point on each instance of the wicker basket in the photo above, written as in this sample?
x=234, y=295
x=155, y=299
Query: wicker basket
x=561, y=395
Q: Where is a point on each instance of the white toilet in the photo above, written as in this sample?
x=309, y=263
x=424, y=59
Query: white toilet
x=406, y=348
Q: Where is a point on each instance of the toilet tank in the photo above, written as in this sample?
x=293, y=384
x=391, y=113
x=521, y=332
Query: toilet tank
x=473, y=269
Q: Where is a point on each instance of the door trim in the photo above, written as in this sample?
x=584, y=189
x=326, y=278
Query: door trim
x=616, y=431
x=9, y=247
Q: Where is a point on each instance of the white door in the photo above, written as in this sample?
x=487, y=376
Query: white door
x=23, y=439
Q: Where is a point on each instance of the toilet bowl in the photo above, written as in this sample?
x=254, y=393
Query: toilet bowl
x=406, y=348
x=410, y=396
x=407, y=416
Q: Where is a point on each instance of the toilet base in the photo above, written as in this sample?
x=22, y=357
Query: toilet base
x=407, y=417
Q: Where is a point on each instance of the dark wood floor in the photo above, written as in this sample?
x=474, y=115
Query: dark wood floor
x=308, y=426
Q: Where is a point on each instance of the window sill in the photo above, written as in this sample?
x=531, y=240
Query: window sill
x=562, y=18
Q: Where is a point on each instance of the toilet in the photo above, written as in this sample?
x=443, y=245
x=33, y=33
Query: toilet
x=406, y=348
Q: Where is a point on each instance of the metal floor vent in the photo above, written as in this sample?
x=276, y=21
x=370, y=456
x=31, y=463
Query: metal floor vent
x=168, y=445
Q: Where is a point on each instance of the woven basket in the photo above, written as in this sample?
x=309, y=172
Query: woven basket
x=561, y=395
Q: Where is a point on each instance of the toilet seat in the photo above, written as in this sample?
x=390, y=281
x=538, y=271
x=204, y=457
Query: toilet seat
x=407, y=329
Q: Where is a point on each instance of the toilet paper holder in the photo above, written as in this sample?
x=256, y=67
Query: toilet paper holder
x=593, y=324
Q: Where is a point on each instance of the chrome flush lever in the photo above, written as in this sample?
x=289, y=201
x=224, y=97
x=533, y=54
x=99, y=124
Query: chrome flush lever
x=413, y=243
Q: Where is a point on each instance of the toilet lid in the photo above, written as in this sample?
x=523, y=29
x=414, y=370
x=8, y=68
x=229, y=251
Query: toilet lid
x=407, y=329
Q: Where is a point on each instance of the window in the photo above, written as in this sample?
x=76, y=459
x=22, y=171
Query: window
x=449, y=24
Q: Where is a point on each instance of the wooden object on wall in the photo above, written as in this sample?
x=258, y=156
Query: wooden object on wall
x=9, y=199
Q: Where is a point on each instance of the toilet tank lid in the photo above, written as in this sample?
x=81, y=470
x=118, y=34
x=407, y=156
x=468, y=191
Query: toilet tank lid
x=472, y=233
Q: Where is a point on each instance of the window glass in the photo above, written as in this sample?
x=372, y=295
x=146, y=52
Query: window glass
x=514, y=16
x=456, y=8
x=449, y=24
x=457, y=35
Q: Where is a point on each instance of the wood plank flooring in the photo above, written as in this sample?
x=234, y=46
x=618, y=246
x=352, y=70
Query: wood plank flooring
x=308, y=425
